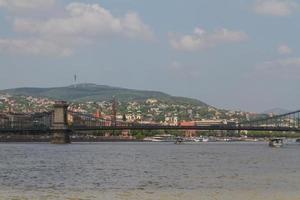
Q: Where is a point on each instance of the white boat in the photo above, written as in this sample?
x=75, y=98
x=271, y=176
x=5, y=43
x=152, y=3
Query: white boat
x=195, y=139
x=160, y=138
x=276, y=142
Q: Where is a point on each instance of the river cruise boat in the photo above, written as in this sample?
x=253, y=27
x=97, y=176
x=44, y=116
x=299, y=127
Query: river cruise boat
x=160, y=138
x=276, y=142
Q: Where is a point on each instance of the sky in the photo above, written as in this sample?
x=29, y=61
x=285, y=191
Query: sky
x=232, y=54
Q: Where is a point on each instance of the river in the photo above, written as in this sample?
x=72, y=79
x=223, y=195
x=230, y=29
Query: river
x=149, y=171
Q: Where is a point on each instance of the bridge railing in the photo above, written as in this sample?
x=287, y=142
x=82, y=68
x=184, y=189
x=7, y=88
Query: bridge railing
x=281, y=122
x=77, y=119
x=26, y=121
x=290, y=120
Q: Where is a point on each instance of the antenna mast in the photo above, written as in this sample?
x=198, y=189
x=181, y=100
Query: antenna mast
x=75, y=80
x=114, y=112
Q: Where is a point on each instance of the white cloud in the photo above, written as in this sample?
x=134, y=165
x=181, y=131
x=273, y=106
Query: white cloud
x=282, y=68
x=80, y=24
x=201, y=39
x=33, y=46
x=26, y=4
x=284, y=49
x=275, y=7
x=87, y=20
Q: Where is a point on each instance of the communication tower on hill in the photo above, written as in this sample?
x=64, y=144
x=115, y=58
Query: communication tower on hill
x=75, y=80
x=114, y=112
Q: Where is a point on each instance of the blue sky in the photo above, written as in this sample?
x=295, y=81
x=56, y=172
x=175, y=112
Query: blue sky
x=236, y=54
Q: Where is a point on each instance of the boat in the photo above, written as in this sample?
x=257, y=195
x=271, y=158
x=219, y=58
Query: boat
x=179, y=140
x=160, y=138
x=276, y=142
x=153, y=139
x=197, y=139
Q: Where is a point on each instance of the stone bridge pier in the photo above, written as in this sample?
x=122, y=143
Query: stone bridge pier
x=60, y=127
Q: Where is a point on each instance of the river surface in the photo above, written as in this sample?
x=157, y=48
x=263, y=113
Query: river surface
x=149, y=171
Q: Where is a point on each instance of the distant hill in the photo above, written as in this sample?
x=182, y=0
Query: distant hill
x=93, y=92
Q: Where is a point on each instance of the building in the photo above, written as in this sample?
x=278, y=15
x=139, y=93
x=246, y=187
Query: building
x=189, y=133
x=171, y=120
x=151, y=101
x=210, y=122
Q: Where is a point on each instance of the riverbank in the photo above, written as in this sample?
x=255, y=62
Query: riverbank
x=41, y=138
x=91, y=138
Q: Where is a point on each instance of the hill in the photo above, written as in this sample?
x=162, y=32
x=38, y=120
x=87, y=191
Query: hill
x=93, y=92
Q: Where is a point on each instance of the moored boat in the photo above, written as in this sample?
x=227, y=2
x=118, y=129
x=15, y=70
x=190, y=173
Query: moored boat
x=197, y=139
x=160, y=138
x=179, y=140
x=276, y=142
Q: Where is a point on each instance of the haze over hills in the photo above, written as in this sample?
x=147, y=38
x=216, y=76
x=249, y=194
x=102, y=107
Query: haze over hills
x=93, y=92
x=277, y=111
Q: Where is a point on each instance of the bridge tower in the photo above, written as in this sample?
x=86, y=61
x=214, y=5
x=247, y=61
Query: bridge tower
x=60, y=123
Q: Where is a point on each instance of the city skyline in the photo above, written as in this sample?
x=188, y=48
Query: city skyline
x=233, y=54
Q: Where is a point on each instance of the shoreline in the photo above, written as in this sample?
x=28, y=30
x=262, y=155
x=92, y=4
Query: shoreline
x=127, y=141
x=95, y=139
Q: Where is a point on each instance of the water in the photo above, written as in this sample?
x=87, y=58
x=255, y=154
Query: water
x=149, y=171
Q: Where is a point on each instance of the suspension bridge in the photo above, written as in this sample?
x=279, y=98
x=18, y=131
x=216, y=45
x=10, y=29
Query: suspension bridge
x=56, y=122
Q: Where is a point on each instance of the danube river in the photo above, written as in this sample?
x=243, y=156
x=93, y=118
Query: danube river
x=137, y=171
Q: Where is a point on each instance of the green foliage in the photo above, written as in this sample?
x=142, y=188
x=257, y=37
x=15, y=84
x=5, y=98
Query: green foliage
x=160, y=117
x=140, y=136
